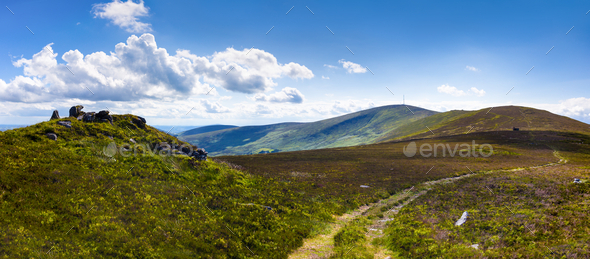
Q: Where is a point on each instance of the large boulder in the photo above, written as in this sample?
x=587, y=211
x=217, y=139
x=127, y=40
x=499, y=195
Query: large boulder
x=55, y=115
x=89, y=117
x=104, y=116
x=76, y=110
x=139, y=121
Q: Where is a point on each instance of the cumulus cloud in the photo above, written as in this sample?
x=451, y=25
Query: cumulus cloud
x=447, y=89
x=325, y=77
x=124, y=14
x=213, y=107
x=470, y=68
x=352, y=67
x=330, y=66
x=287, y=95
x=477, y=92
x=139, y=69
x=575, y=107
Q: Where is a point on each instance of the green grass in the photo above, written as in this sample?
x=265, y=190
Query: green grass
x=66, y=199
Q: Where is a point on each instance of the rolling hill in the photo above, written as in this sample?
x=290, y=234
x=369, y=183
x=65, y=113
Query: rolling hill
x=363, y=127
x=205, y=129
x=501, y=118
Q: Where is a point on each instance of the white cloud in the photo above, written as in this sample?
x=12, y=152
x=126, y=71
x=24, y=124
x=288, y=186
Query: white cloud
x=325, y=77
x=352, y=67
x=213, y=107
x=470, y=68
x=330, y=66
x=139, y=69
x=450, y=90
x=124, y=14
x=78, y=23
x=348, y=106
x=288, y=94
x=477, y=92
x=574, y=107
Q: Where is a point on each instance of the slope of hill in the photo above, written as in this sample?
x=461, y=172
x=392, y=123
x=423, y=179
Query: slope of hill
x=204, y=129
x=363, y=127
x=105, y=191
x=489, y=119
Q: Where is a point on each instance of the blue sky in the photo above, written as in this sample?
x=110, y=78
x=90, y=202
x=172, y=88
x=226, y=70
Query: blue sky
x=159, y=59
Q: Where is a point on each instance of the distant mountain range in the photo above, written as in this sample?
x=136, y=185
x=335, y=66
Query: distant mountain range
x=386, y=123
x=363, y=127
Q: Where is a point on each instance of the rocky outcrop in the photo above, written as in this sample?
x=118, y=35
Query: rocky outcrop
x=55, y=115
x=88, y=117
x=76, y=111
x=101, y=116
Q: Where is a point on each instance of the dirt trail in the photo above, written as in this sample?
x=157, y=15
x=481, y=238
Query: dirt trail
x=321, y=246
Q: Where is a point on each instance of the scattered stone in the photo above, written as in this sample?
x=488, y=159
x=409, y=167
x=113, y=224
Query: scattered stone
x=55, y=115
x=462, y=219
x=67, y=124
x=163, y=146
x=133, y=141
x=51, y=136
x=476, y=246
x=80, y=117
x=364, y=186
x=576, y=180
x=268, y=207
x=142, y=119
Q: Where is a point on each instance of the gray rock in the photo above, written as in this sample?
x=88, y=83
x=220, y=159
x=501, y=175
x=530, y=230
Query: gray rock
x=102, y=114
x=76, y=110
x=133, y=141
x=462, y=219
x=51, y=136
x=576, y=180
x=139, y=121
x=88, y=117
x=55, y=115
x=67, y=124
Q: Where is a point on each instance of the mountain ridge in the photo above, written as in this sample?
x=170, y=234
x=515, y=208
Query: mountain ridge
x=362, y=127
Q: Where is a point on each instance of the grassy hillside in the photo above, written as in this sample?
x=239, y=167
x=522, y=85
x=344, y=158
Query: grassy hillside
x=531, y=213
x=357, y=128
x=205, y=129
x=502, y=118
x=339, y=172
x=65, y=198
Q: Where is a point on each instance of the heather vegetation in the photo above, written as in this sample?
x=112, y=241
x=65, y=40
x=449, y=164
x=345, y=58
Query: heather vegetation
x=64, y=198
x=68, y=198
x=534, y=212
